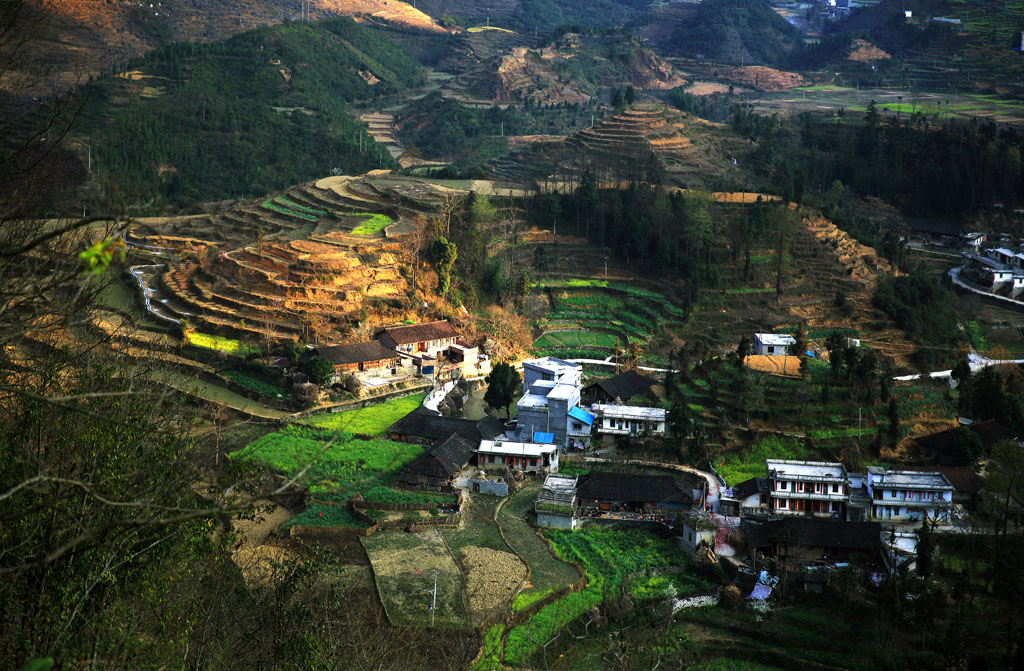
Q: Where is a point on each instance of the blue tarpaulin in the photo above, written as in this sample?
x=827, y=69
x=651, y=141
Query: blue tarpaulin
x=541, y=437
x=810, y=354
x=581, y=414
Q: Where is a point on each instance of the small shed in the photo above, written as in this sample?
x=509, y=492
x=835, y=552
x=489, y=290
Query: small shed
x=437, y=467
x=617, y=389
x=696, y=530
x=556, y=503
x=772, y=344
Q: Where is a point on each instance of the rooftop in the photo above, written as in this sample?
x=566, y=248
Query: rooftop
x=910, y=479
x=634, y=488
x=814, y=532
x=624, y=386
x=553, y=365
x=360, y=352
x=775, y=338
x=429, y=425
x=630, y=412
x=406, y=335
x=515, y=448
x=555, y=482
x=821, y=470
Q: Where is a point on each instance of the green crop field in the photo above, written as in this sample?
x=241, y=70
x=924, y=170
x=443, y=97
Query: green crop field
x=259, y=386
x=374, y=224
x=372, y=420
x=546, y=571
x=380, y=494
x=213, y=342
x=736, y=468
x=403, y=566
x=269, y=204
x=319, y=515
x=571, y=339
x=608, y=557
x=347, y=465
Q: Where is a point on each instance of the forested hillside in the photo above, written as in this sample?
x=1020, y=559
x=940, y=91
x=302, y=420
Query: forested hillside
x=263, y=110
x=736, y=31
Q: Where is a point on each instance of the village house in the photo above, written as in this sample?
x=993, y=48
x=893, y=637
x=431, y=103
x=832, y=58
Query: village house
x=617, y=389
x=750, y=497
x=694, y=532
x=656, y=495
x=424, y=426
x=629, y=420
x=550, y=404
x=802, y=539
x=772, y=344
x=940, y=448
x=363, y=359
x=811, y=488
x=903, y=496
x=437, y=467
x=430, y=339
x=556, y=503
x=522, y=456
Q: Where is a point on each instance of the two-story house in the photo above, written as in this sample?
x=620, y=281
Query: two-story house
x=629, y=420
x=431, y=339
x=902, y=496
x=813, y=488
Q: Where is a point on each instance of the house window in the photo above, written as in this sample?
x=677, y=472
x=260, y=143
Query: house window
x=783, y=485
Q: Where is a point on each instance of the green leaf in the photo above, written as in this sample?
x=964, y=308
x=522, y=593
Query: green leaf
x=38, y=664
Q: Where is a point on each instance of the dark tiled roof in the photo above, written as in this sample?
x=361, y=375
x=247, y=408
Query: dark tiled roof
x=749, y=487
x=623, y=386
x=440, y=462
x=963, y=478
x=405, y=335
x=360, y=352
x=430, y=426
x=631, y=487
x=941, y=444
x=814, y=532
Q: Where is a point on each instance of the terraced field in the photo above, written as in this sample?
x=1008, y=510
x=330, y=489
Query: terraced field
x=302, y=262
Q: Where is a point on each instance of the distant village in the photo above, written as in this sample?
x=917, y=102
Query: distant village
x=817, y=515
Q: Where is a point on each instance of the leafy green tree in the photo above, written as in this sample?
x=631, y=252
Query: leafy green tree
x=835, y=343
x=742, y=350
x=319, y=370
x=925, y=550
x=502, y=386
x=630, y=95
x=445, y=254
x=967, y=447
x=800, y=346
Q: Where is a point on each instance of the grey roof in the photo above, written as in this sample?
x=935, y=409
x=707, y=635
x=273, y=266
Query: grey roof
x=632, y=487
x=360, y=352
x=814, y=532
x=428, y=425
x=623, y=386
x=749, y=487
x=438, y=463
x=405, y=335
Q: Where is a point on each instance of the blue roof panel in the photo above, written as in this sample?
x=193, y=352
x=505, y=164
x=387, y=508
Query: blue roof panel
x=581, y=414
x=541, y=437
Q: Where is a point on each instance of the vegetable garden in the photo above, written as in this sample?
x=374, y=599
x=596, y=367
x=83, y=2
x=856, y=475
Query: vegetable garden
x=372, y=420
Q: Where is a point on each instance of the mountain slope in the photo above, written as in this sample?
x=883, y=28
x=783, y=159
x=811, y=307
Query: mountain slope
x=262, y=110
x=735, y=31
x=75, y=36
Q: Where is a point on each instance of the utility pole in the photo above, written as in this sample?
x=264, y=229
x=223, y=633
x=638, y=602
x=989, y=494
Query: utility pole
x=433, y=593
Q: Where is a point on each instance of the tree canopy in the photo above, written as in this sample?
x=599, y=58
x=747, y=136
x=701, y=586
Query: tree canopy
x=502, y=386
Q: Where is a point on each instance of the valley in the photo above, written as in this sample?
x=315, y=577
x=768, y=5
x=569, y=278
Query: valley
x=532, y=334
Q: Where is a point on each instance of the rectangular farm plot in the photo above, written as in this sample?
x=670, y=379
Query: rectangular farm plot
x=547, y=572
x=403, y=566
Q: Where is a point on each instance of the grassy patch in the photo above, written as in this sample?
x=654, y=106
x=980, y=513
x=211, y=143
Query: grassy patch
x=218, y=343
x=346, y=466
x=372, y=420
x=259, y=386
x=524, y=599
x=479, y=528
x=375, y=223
x=404, y=565
x=318, y=515
x=570, y=339
x=737, y=467
x=380, y=494
x=607, y=557
x=546, y=572
x=490, y=657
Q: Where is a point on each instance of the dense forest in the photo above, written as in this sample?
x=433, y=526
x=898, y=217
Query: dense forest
x=736, y=31
x=260, y=111
x=927, y=166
